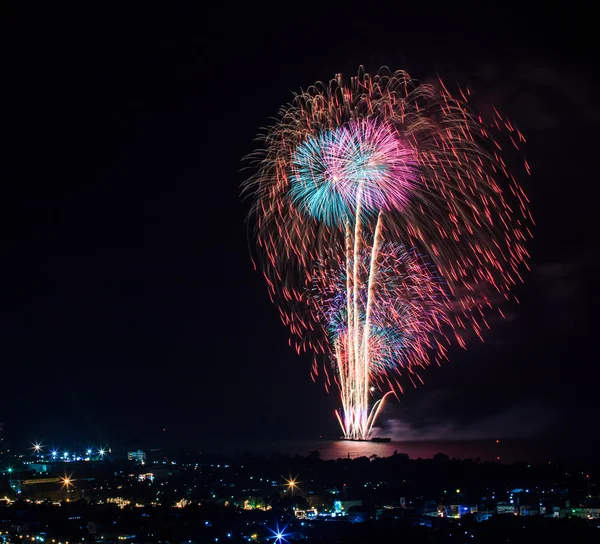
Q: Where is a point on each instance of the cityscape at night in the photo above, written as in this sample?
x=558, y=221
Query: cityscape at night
x=97, y=495
x=306, y=274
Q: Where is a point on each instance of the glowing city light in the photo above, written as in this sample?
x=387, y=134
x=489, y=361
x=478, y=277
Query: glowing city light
x=291, y=484
x=67, y=481
x=279, y=535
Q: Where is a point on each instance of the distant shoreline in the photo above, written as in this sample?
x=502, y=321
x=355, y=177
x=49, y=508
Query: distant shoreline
x=503, y=450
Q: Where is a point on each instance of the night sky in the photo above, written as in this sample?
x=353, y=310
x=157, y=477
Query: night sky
x=128, y=300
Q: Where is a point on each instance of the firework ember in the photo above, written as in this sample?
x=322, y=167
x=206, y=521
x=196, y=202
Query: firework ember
x=389, y=226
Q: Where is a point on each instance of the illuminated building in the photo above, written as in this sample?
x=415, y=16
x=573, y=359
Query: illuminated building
x=306, y=514
x=45, y=487
x=341, y=507
x=137, y=456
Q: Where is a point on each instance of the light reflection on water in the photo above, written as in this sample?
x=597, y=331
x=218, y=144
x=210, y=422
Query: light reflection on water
x=485, y=450
x=425, y=450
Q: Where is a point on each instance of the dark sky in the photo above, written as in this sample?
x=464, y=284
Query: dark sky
x=128, y=302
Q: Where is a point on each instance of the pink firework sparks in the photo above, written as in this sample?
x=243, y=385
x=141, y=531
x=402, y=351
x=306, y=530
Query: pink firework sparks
x=350, y=168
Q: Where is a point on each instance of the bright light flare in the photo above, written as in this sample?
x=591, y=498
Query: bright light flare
x=291, y=483
x=279, y=535
x=67, y=482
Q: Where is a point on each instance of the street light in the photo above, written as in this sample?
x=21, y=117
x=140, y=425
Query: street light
x=67, y=482
x=291, y=485
x=279, y=535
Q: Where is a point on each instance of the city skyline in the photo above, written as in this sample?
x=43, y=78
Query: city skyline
x=157, y=495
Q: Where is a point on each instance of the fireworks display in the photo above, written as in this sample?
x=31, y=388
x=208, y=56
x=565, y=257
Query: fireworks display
x=389, y=225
